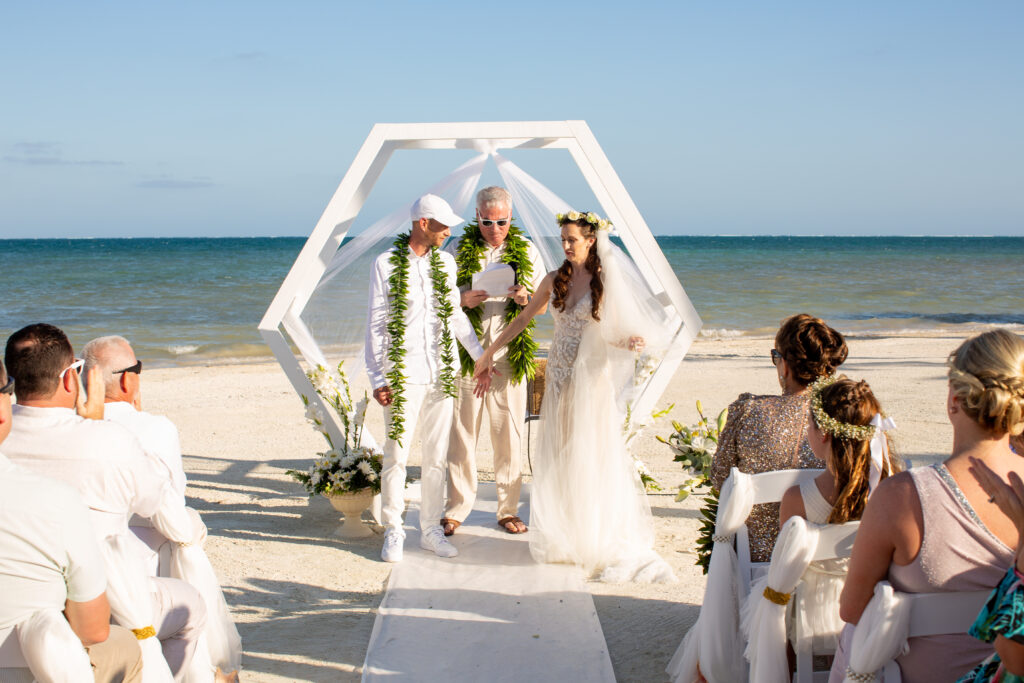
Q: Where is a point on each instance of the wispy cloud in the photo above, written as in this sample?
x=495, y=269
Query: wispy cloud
x=173, y=184
x=48, y=154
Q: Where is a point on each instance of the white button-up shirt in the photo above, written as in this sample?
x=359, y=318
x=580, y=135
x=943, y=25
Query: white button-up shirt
x=422, y=324
x=493, y=318
x=105, y=464
x=48, y=550
x=157, y=434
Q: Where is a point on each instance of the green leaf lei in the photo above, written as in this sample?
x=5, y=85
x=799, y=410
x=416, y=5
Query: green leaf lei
x=398, y=285
x=470, y=249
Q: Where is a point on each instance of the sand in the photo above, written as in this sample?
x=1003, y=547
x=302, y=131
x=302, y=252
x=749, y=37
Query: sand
x=304, y=600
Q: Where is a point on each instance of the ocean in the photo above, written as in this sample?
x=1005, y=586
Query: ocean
x=196, y=301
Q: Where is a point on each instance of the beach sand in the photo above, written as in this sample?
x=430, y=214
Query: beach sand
x=304, y=600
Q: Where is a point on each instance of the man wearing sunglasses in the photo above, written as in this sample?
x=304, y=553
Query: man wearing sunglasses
x=53, y=564
x=109, y=469
x=487, y=242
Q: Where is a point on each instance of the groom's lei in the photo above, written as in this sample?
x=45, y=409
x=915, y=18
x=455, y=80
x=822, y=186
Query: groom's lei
x=470, y=249
x=398, y=290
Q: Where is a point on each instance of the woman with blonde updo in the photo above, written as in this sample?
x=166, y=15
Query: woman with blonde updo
x=935, y=529
x=846, y=429
x=587, y=504
x=767, y=433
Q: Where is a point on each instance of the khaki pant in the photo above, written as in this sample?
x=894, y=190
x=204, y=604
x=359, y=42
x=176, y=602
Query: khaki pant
x=505, y=405
x=118, y=659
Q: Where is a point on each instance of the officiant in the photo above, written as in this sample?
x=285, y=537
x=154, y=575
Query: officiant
x=498, y=269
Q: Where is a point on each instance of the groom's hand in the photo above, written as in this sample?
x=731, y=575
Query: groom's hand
x=382, y=395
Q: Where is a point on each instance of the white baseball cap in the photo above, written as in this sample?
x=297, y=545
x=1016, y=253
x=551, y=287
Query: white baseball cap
x=432, y=206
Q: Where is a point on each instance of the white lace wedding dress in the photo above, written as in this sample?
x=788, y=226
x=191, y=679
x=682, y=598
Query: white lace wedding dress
x=588, y=506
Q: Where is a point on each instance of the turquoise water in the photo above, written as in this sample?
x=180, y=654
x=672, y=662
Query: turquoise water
x=184, y=301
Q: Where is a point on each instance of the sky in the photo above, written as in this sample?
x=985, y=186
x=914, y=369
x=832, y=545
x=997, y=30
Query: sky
x=125, y=119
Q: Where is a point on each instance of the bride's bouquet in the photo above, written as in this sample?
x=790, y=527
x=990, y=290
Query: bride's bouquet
x=349, y=466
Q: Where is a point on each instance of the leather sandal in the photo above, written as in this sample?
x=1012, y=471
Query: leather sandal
x=515, y=523
x=449, y=525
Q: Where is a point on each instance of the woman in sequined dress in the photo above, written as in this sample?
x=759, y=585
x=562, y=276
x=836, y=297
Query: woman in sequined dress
x=767, y=433
x=587, y=504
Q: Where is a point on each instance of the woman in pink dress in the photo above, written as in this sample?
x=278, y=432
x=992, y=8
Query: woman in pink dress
x=934, y=529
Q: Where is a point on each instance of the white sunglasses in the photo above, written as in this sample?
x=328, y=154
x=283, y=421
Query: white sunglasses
x=77, y=365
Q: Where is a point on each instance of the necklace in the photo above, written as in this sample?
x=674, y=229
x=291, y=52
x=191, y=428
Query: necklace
x=398, y=291
x=470, y=249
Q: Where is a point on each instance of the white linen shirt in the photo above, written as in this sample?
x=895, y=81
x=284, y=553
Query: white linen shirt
x=493, y=318
x=48, y=550
x=156, y=433
x=422, y=324
x=104, y=463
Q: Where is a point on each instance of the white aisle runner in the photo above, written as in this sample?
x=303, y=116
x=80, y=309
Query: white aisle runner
x=490, y=614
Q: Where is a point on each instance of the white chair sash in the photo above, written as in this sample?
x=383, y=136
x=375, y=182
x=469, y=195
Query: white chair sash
x=52, y=651
x=131, y=604
x=881, y=634
x=190, y=563
x=714, y=643
x=764, y=620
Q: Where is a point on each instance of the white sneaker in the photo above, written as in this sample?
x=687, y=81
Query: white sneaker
x=433, y=539
x=393, y=542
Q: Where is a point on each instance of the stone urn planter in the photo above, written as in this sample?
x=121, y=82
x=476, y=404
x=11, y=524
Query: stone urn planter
x=352, y=505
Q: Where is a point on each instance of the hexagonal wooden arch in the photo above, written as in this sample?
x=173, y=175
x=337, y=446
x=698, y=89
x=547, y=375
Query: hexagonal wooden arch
x=373, y=156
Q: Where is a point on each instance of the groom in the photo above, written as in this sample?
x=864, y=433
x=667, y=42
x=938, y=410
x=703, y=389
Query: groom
x=412, y=363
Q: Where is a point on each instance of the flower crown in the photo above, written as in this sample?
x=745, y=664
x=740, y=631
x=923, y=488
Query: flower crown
x=590, y=217
x=829, y=424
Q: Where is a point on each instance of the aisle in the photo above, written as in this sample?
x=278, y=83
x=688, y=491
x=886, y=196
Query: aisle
x=490, y=614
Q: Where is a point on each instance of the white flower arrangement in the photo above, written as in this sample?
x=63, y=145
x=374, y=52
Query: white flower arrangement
x=695, y=447
x=347, y=467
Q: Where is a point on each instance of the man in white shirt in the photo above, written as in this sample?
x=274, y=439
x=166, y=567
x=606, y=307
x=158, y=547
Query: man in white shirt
x=486, y=242
x=106, y=465
x=49, y=560
x=414, y=304
x=121, y=371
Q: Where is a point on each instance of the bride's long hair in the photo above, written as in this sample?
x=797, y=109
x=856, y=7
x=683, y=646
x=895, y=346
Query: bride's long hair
x=593, y=266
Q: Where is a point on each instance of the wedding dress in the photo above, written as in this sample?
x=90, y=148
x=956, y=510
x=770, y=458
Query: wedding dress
x=588, y=506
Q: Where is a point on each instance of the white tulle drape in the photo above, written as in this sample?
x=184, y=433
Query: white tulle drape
x=764, y=621
x=53, y=652
x=881, y=633
x=190, y=564
x=715, y=642
x=131, y=603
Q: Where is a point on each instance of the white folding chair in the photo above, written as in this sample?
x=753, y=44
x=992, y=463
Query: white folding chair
x=835, y=541
x=768, y=488
x=936, y=614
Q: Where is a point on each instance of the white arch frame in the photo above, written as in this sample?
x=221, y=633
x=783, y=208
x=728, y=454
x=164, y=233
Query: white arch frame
x=362, y=175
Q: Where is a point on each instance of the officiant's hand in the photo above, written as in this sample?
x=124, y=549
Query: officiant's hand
x=472, y=298
x=382, y=395
x=519, y=294
x=482, y=373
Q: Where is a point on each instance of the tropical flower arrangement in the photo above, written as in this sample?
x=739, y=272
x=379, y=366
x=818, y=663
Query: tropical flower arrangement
x=630, y=430
x=346, y=467
x=695, y=447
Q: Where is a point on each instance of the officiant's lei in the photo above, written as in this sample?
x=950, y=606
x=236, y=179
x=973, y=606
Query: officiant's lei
x=468, y=254
x=398, y=289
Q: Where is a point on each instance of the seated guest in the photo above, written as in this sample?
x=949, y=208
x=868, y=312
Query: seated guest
x=766, y=433
x=122, y=377
x=1001, y=621
x=108, y=468
x=122, y=380
x=49, y=559
x=934, y=529
x=846, y=430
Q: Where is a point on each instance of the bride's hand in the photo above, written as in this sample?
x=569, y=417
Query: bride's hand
x=482, y=374
x=637, y=344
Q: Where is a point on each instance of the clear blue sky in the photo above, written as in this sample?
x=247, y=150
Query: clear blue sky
x=240, y=118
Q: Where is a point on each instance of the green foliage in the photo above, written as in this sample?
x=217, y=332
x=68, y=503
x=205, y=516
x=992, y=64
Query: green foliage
x=523, y=348
x=709, y=515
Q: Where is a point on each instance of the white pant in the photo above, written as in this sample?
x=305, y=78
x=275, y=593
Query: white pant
x=432, y=409
x=180, y=618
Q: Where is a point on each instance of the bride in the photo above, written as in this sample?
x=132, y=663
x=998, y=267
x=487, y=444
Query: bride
x=588, y=506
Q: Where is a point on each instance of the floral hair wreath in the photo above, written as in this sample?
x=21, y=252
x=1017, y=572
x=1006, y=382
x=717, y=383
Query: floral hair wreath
x=590, y=217
x=829, y=424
